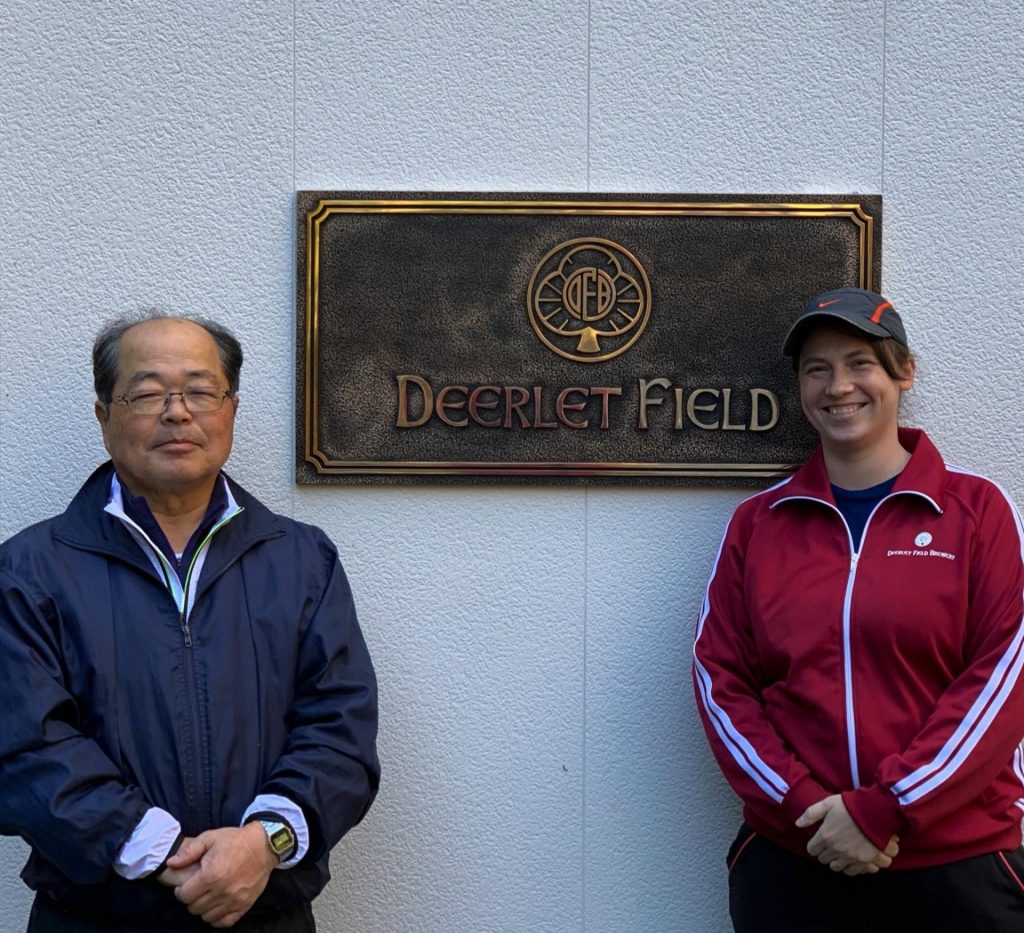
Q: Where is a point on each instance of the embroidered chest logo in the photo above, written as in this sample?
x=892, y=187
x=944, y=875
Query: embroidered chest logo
x=921, y=549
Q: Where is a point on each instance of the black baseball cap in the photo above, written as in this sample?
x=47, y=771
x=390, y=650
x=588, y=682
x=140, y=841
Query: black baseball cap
x=867, y=311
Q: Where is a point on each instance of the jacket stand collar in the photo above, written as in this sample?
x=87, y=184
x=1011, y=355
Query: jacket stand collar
x=85, y=524
x=924, y=474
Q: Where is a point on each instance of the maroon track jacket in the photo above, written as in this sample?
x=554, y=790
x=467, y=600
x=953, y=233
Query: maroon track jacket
x=891, y=675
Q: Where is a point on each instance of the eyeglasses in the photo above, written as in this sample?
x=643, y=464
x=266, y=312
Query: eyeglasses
x=197, y=401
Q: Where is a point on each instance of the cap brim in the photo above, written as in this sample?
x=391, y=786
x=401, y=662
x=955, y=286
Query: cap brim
x=795, y=336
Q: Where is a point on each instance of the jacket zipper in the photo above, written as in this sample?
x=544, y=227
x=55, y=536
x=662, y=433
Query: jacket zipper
x=182, y=620
x=199, y=804
x=851, y=728
x=183, y=612
x=848, y=710
x=202, y=798
x=851, y=725
x=195, y=791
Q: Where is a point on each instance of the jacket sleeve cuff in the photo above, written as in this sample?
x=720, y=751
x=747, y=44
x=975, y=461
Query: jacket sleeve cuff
x=149, y=846
x=800, y=796
x=876, y=811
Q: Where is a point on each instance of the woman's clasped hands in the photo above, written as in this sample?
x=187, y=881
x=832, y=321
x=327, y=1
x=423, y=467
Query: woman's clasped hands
x=839, y=842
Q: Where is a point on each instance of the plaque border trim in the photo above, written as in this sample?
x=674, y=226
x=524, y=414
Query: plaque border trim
x=327, y=207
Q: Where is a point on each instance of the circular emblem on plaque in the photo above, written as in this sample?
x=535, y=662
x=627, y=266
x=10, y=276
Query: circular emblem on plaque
x=589, y=300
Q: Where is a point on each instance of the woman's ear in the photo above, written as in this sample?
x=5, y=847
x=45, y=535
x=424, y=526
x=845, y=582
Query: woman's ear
x=910, y=372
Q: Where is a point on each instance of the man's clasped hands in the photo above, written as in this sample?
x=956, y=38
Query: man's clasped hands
x=220, y=873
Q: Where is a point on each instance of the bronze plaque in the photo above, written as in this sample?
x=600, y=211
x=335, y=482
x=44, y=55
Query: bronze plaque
x=574, y=338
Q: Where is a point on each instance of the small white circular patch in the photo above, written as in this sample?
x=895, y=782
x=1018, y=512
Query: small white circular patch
x=923, y=539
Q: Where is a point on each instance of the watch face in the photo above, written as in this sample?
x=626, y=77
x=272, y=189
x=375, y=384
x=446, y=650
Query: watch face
x=281, y=841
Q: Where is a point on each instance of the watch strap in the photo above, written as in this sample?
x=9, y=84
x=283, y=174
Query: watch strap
x=274, y=823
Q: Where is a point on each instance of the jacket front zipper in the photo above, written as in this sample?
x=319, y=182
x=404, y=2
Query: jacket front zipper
x=848, y=707
x=199, y=802
x=203, y=805
x=851, y=733
x=184, y=608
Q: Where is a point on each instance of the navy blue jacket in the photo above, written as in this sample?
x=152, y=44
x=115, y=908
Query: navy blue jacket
x=105, y=711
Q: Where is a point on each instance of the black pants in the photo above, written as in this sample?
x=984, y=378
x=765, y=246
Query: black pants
x=771, y=890
x=49, y=917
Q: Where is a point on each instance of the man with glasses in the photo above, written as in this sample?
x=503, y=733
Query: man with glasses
x=188, y=710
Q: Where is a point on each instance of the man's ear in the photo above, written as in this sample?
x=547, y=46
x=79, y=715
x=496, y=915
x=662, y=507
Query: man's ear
x=102, y=413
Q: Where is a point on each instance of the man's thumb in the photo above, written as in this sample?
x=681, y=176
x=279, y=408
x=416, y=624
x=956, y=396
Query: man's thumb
x=191, y=850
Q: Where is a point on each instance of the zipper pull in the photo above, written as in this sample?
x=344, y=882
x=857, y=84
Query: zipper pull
x=186, y=631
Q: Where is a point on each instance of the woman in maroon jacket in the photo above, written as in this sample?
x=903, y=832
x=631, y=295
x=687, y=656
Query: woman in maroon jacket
x=858, y=663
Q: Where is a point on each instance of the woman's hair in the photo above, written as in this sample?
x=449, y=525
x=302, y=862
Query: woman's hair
x=894, y=357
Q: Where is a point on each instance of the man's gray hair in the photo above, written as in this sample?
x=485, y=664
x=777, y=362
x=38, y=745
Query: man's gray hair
x=107, y=349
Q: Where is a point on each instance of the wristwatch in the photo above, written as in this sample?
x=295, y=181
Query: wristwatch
x=280, y=838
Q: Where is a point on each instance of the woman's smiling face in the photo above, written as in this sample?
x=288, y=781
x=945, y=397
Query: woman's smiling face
x=845, y=392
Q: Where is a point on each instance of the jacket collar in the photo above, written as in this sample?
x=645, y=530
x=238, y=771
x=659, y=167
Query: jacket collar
x=84, y=524
x=924, y=474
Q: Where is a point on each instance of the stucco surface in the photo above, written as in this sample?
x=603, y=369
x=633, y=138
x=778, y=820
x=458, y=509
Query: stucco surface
x=544, y=767
x=741, y=96
x=470, y=95
x=954, y=147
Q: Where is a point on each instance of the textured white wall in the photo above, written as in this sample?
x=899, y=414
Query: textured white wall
x=544, y=769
